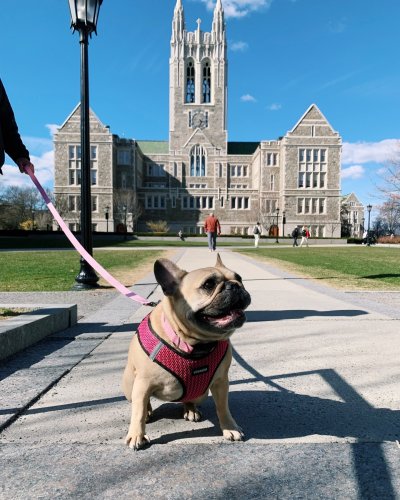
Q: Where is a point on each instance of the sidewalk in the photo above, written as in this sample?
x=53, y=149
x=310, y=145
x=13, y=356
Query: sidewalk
x=314, y=384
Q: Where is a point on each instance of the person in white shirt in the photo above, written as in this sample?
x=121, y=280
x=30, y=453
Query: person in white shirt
x=257, y=230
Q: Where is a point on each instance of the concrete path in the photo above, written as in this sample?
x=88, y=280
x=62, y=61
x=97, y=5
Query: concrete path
x=314, y=384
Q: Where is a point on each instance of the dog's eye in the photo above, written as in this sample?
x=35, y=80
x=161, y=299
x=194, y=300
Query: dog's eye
x=209, y=284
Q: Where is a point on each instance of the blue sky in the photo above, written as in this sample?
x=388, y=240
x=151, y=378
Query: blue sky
x=283, y=56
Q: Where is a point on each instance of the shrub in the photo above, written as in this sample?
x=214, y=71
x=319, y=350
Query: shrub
x=389, y=239
x=158, y=226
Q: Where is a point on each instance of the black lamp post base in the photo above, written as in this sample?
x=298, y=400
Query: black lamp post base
x=87, y=278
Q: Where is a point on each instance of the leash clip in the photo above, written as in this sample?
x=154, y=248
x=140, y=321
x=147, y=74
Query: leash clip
x=153, y=304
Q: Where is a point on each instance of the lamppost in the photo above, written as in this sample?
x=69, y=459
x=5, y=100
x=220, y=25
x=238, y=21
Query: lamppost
x=277, y=225
x=107, y=215
x=283, y=223
x=84, y=15
x=369, y=208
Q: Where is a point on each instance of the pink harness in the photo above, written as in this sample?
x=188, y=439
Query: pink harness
x=194, y=373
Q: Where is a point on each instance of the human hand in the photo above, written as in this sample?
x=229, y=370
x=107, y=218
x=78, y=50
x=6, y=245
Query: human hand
x=23, y=163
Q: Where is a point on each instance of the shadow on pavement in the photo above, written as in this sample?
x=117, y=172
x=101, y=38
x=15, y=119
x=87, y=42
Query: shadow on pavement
x=301, y=313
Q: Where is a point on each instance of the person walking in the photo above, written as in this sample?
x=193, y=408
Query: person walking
x=305, y=234
x=257, y=230
x=212, y=228
x=180, y=234
x=295, y=235
x=10, y=140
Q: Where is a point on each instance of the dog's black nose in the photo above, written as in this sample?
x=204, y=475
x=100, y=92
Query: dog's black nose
x=229, y=285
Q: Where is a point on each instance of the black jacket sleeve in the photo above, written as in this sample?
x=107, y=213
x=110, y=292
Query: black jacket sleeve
x=10, y=140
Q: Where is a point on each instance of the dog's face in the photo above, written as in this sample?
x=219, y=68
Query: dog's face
x=209, y=301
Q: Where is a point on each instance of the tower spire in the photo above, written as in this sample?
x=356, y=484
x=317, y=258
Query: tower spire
x=218, y=25
x=178, y=22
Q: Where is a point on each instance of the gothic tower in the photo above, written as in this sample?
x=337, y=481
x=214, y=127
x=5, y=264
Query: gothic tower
x=198, y=84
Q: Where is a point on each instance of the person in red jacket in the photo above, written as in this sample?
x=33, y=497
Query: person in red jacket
x=212, y=228
x=10, y=140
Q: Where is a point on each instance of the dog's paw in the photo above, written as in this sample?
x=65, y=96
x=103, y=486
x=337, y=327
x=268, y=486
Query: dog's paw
x=234, y=434
x=137, y=442
x=192, y=414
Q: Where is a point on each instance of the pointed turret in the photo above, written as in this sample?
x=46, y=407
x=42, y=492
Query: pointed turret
x=178, y=22
x=218, y=25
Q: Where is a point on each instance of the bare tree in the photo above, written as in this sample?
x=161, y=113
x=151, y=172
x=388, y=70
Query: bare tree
x=19, y=203
x=127, y=208
x=389, y=214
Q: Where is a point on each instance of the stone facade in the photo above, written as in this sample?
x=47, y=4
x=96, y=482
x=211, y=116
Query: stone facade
x=282, y=183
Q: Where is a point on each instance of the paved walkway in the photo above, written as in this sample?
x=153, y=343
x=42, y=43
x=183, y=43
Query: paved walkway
x=314, y=384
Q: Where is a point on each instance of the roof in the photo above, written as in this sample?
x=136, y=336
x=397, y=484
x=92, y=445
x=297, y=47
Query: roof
x=154, y=147
x=242, y=148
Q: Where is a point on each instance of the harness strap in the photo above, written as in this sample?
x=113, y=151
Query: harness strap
x=82, y=251
x=176, y=340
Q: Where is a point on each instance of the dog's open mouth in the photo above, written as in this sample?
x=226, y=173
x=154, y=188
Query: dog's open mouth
x=235, y=318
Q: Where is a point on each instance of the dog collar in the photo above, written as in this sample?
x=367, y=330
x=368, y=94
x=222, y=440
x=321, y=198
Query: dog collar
x=172, y=335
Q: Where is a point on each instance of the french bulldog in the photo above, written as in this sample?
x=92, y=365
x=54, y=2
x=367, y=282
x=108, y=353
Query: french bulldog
x=181, y=350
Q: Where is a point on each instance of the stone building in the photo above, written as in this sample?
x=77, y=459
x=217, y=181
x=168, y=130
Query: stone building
x=352, y=216
x=293, y=180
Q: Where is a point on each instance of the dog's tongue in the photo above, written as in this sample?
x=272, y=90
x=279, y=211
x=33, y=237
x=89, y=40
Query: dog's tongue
x=225, y=320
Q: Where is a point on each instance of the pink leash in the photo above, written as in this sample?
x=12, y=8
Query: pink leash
x=89, y=259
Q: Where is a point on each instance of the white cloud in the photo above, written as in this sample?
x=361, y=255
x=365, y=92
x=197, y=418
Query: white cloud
x=274, y=106
x=42, y=156
x=370, y=152
x=239, y=46
x=239, y=8
x=248, y=98
x=353, y=172
x=53, y=128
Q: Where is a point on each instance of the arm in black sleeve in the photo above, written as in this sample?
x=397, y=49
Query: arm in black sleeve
x=12, y=141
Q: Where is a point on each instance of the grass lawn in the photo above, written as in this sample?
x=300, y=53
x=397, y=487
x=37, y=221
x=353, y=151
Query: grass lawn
x=56, y=270
x=60, y=241
x=351, y=268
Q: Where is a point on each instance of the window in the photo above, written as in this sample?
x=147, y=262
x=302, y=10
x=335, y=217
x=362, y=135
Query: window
x=238, y=170
x=190, y=82
x=197, y=202
x=93, y=152
x=206, y=85
x=93, y=177
x=240, y=202
x=155, y=170
x=272, y=159
x=198, y=161
x=94, y=204
x=74, y=174
x=74, y=203
x=301, y=179
x=272, y=182
x=300, y=202
x=156, y=201
x=301, y=155
x=124, y=157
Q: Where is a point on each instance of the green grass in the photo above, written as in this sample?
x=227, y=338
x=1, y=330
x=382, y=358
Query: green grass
x=56, y=270
x=362, y=268
x=6, y=312
x=58, y=240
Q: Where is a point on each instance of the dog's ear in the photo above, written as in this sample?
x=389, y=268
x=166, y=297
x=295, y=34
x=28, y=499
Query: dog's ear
x=168, y=275
x=219, y=262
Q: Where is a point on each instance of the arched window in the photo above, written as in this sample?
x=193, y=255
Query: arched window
x=206, y=83
x=198, y=161
x=190, y=82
